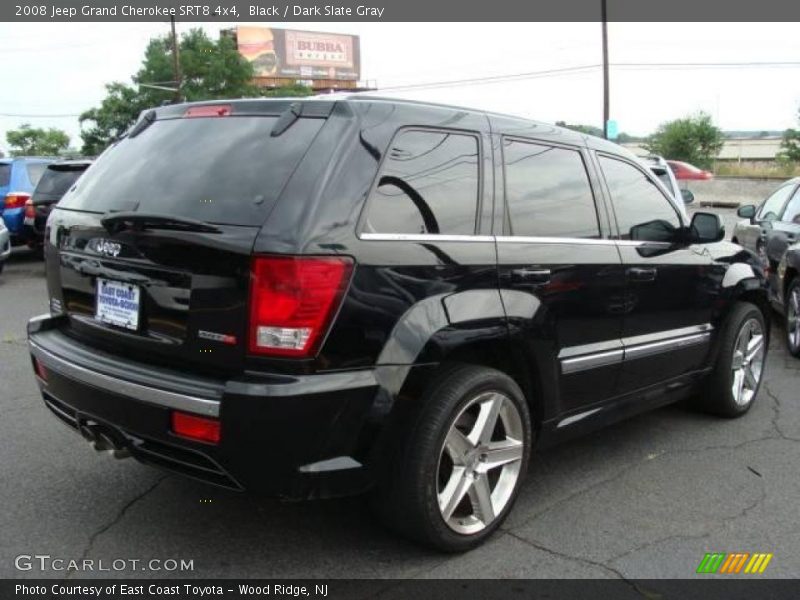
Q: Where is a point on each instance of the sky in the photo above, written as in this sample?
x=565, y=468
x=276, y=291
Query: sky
x=54, y=71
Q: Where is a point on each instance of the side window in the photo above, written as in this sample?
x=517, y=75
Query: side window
x=428, y=184
x=792, y=212
x=548, y=192
x=643, y=212
x=771, y=209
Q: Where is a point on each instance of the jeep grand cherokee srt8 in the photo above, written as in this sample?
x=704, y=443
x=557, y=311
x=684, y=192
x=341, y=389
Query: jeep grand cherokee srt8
x=333, y=296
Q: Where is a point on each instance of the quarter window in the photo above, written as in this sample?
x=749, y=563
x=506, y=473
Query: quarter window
x=642, y=210
x=548, y=192
x=771, y=209
x=428, y=185
x=792, y=212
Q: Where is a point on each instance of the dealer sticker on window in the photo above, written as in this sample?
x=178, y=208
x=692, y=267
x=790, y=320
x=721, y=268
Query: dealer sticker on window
x=117, y=304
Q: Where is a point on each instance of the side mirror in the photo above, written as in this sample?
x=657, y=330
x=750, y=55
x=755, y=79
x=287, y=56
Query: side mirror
x=748, y=211
x=706, y=228
x=688, y=196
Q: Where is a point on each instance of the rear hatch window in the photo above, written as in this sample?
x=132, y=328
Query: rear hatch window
x=57, y=179
x=226, y=170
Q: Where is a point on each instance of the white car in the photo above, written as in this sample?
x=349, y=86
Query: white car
x=662, y=170
x=5, y=244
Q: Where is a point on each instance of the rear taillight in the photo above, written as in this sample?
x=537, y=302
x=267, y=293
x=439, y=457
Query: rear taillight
x=194, y=427
x=16, y=199
x=29, y=210
x=292, y=302
x=39, y=369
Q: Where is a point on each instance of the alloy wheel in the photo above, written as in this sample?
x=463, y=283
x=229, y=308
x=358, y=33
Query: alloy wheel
x=479, y=462
x=793, y=319
x=748, y=361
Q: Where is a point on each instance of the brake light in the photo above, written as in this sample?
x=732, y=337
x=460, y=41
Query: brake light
x=195, y=428
x=29, y=210
x=292, y=302
x=211, y=110
x=16, y=199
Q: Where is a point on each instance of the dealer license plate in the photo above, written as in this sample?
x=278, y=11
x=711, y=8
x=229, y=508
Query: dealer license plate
x=117, y=303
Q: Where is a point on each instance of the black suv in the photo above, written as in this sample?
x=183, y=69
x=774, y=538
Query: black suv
x=330, y=296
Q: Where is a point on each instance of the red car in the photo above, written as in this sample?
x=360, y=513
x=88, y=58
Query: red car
x=684, y=170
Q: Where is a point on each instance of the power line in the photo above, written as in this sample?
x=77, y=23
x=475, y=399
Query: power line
x=590, y=67
x=38, y=116
x=525, y=76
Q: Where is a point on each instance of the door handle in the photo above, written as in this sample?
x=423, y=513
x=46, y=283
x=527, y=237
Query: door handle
x=642, y=273
x=525, y=275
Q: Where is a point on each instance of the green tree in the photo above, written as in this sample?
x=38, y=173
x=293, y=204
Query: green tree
x=34, y=141
x=694, y=139
x=210, y=70
x=790, y=145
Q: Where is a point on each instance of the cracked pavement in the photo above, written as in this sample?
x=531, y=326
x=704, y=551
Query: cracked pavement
x=645, y=498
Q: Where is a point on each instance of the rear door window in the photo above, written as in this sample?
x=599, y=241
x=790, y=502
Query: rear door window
x=548, y=193
x=643, y=212
x=428, y=184
x=226, y=170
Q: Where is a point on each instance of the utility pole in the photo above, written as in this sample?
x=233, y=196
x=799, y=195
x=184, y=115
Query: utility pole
x=176, y=60
x=604, y=17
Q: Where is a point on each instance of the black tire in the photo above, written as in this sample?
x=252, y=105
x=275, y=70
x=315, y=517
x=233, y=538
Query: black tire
x=717, y=396
x=407, y=500
x=792, y=313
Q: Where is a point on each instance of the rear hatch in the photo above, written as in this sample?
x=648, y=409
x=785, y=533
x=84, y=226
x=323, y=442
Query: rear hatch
x=155, y=239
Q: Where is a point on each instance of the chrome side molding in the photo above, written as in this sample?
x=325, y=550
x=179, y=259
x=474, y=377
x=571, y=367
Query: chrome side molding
x=590, y=356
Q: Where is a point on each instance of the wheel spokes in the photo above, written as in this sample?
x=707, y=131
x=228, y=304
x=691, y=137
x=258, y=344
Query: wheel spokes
x=453, y=493
x=481, y=432
x=498, y=454
x=457, y=446
x=754, y=346
x=480, y=495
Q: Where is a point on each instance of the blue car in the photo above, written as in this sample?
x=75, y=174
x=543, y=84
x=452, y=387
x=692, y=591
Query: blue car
x=18, y=178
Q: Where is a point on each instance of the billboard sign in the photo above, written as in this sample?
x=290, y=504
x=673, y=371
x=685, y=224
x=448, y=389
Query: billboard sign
x=294, y=54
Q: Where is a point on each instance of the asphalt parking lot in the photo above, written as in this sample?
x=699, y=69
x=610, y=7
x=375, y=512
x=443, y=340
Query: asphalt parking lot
x=645, y=498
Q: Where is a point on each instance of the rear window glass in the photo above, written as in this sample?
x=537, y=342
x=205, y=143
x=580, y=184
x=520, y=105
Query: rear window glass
x=35, y=171
x=220, y=170
x=428, y=185
x=55, y=182
x=5, y=174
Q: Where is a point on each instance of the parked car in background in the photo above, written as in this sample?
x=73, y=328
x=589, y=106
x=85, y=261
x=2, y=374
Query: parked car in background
x=663, y=171
x=18, y=178
x=58, y=177
x=5, y=244
x=686, y=172
x=779, y=210
x=312, y=298
x=785, y=292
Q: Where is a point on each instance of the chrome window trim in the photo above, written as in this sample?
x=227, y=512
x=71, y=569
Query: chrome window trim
x=424, y=237
x=136, y=391
x=575, y=359
x=502, y=239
